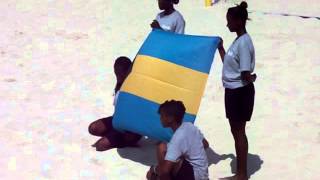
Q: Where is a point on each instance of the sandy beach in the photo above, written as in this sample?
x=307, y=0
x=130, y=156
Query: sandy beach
x=56, y=77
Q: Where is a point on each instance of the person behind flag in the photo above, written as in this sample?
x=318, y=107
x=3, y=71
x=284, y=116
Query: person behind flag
x=169, y=19
x=111, y=138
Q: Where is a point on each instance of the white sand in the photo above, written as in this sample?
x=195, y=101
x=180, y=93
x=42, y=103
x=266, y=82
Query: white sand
x=57, y=77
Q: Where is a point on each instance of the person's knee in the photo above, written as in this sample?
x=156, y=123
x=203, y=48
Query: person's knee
x=234, y=131
x=162, y=147
x=238, y=133
x=239, y=137
x=237, y=126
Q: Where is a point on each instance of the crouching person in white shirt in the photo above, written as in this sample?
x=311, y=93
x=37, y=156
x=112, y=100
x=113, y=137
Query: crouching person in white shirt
x=184, y=157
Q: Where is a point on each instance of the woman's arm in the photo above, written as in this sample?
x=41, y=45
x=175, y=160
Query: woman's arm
x=221, y=50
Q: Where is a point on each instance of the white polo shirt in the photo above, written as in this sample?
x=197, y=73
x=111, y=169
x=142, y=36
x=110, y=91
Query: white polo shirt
x=239, y=57
x=187, y=143
x=173, y=22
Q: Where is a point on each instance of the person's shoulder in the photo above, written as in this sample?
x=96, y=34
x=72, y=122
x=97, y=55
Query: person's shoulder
x=182, y=133
x=188, y=127
x=246, y=37
x=161, y=14
x=177, y=14
x=245, y=40
x=184, y=127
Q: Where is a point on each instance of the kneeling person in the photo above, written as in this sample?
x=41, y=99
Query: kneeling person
x=184, y=157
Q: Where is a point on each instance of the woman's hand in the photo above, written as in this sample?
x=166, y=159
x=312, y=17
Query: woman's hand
x=220, y=45
x=248, y=77
x=253, y=77
x=155, y=25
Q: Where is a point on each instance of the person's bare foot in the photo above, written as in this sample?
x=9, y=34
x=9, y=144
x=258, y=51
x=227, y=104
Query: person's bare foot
x=102, y=144
x=94, y=144
x=235, y=177
x=229, y=178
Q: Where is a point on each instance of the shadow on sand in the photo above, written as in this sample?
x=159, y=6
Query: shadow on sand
x=254, y=164
x=146, y=153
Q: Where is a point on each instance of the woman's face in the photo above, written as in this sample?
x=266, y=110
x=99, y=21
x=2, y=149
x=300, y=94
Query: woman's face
x=164, y=4
x=165, y=119
x=232, y=23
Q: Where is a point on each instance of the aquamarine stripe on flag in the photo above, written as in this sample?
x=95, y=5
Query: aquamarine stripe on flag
x=194, y=52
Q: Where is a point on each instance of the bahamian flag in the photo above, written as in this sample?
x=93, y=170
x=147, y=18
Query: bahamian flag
x=167, y=66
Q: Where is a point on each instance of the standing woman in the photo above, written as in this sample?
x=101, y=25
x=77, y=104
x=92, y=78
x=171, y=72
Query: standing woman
x=237, y=78
x=169, y=19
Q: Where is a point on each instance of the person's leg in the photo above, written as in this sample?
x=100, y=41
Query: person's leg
x=131, y=139
x=113, y=139
x=100, y=127
x=184, y=171
x=161, y=152
x=241, y=146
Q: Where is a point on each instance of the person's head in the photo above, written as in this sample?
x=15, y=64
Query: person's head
x=166, y=4
x=171, y=113
x=121, y=68
x=237, y=17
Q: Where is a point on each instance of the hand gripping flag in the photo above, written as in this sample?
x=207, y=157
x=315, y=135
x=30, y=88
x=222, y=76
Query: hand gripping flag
x=167, y=66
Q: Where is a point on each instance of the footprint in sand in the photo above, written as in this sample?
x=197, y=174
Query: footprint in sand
x=72, y=36
x=259, y=65
x=20, y=33
x=9, y=80
x=95, y=161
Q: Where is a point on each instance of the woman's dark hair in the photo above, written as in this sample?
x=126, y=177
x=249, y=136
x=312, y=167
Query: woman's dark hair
x=239, y=11
x=173, y=108
x=175, y=1
x=123, y=62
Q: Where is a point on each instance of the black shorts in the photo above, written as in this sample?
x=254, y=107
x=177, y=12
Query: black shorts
x=119, y=139
x=239, y=103
x=185, y=172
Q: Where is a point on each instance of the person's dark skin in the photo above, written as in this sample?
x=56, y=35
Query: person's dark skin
x=238, y=126
x=165, y=168
x=167, y=8
x=236, y=25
